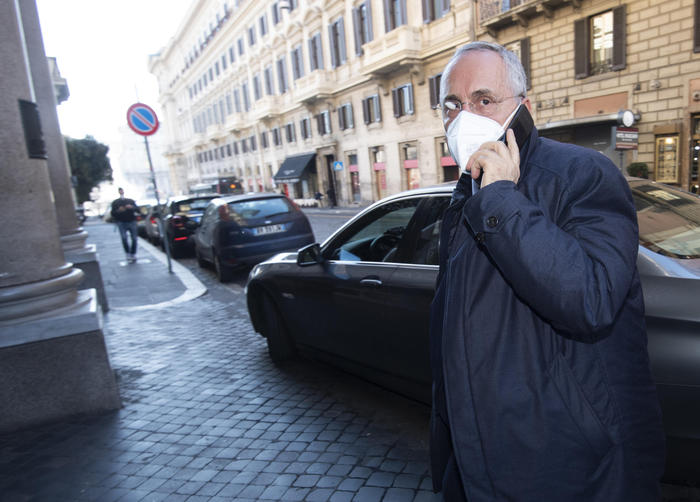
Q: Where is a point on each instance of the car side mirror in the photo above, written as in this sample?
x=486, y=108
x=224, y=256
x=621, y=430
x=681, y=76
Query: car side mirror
x=310, y=255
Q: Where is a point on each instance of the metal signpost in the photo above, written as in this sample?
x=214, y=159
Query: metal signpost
x=143, y=120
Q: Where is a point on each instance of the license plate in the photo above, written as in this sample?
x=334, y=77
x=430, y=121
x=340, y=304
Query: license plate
x=268, y=229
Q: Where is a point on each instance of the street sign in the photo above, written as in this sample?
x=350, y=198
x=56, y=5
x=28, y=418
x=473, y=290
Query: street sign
x=142, y=119
x=626, y=138
x=337, y=165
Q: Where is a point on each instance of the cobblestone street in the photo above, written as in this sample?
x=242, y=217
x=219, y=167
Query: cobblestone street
x=207, y=416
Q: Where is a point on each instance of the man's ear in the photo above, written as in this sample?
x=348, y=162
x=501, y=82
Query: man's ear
x=528, y=104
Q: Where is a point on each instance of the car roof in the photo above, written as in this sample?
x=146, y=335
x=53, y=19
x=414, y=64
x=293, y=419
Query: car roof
x=248, y=196
x=180, y=198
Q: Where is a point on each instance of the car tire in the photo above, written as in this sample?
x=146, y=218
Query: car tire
x=200, y=261
x=223, y=272
x=279, y=344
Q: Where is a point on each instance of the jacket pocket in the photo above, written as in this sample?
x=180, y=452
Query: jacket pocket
x=578, y=406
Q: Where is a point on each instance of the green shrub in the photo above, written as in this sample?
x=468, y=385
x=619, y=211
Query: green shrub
x=638, y=170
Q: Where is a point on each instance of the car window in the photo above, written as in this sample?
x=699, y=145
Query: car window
x=248, y=210
x=190, y=205
x=377, y=235
x=669, y=219
x=423, y=237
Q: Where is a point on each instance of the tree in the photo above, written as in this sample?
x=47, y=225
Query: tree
x=89, y=165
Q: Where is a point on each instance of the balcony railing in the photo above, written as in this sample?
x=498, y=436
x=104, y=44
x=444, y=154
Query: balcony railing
x=387, y=53
x=315, y=86
x=496, y=14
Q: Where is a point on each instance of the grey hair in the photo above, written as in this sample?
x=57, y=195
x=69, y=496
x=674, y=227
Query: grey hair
x=514, y=68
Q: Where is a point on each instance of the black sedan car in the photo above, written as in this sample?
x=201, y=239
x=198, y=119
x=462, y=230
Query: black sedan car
x=181, y=217
x=361, y=301
x=242, y=230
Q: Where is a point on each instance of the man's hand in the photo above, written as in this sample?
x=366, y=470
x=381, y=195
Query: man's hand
x=497, y=160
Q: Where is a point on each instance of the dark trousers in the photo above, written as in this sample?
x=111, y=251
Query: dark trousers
x=128, y=227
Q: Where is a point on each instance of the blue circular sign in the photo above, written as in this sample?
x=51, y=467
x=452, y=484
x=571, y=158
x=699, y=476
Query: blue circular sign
x=142, y=119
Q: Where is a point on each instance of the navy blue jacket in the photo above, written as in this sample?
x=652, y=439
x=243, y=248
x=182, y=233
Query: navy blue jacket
x=542, y=389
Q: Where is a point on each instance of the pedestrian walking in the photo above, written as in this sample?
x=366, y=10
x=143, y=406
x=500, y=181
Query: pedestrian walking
x=124, y=211
x=542, y=388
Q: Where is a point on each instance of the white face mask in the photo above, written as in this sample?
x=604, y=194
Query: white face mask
x=469, y=131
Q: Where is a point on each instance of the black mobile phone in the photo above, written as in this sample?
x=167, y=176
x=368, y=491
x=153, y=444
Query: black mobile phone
x=522, y=125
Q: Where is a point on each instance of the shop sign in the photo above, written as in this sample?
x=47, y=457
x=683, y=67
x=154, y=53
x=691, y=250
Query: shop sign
x=626, y=138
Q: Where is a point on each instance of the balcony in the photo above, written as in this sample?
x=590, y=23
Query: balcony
x=495, y=15
x=236, y=121
x=266, y=108
x=399, y=47
x=315, y=86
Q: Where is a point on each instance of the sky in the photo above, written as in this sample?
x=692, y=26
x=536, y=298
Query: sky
x=102, y=48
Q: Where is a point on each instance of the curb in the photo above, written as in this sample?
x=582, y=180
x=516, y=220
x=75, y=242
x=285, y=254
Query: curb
x=193, y=286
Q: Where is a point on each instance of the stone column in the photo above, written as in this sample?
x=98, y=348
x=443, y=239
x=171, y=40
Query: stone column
x=72, y=235
x=53, y=359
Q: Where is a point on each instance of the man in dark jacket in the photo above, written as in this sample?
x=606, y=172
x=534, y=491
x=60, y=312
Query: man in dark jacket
x=542, y=388
x=124, y=212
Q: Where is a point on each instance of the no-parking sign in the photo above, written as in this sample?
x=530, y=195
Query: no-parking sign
x=142, y=119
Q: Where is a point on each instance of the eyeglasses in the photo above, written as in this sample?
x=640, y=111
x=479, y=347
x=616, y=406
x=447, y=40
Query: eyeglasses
x=482, y=104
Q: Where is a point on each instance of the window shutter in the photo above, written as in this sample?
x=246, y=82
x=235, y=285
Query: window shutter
x=312, y=55
x=341, y=117
x=696, y=28
x=445, y=6
x=402, y=13
x=426, y=11
x=365, y=110
x=319, y=51
x=350, y=118
x=395, y=98
x=581, y=46
x=377, y=109
x=341, y=36
x=525, y=59
x=433, y=87
x=387, y=16
x=409, y=91
x=619, y=59
x=319, y=124
x=357, y=28
x=368, y=13
x=334, y=59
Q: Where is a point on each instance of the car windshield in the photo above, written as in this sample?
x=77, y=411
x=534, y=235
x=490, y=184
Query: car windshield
x=190, y=205
x=669, y=219
x=246, y=210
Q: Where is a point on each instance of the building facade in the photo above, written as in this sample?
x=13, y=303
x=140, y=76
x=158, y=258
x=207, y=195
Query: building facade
x=340, y=97
x=589, y=61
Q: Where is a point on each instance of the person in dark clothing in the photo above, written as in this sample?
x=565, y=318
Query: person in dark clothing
x=542, y=389
x=124, y=212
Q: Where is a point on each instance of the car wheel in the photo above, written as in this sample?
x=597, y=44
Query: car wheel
x=279, y=344
x=223, y=272
x=200, y=261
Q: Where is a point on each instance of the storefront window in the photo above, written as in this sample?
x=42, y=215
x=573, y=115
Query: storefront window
x=379, y=170
x=667, y=159
x=450, y=170
x=409, y=154
x=354, y=177
x=695, y=154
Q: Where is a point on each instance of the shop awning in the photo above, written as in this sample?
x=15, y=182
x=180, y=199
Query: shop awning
x=293, y=167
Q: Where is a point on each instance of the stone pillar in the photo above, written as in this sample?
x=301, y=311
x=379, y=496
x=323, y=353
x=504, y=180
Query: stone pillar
x=53, y=359
x=73, y=236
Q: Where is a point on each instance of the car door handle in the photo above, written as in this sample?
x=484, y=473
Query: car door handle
x=371, y=282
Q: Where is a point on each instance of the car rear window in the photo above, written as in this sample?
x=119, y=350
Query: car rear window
x=250, y=210
x=191, y=205
x=669, y=219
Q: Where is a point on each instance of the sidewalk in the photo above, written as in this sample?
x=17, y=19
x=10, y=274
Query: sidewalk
x=144, y=284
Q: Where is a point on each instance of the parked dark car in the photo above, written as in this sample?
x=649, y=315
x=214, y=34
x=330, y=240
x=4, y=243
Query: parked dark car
x=361, y=300
x=150, y=224
x=141, y=218
x=242, y=230
x=181, y=217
